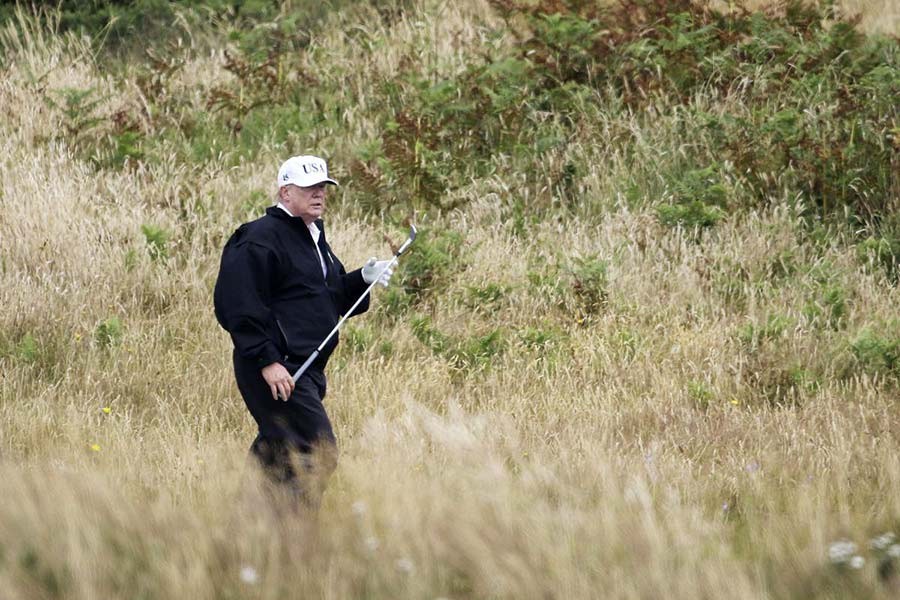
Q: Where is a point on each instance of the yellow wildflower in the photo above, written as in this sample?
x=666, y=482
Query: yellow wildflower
x=95, y=447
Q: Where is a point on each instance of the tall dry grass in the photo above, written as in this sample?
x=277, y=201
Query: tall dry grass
x=645, y=450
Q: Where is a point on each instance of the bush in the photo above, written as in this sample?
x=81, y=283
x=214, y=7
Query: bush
x=698, y=200
x=884, y=251
x=357, y=339
x=109, y=332
x=430, y=262
x=878, y=351
x=157, y=240
x=540, y=339
x=589, y=284
x=27, y=349
x=486, y=299
x=700, y=394
x=467, y=354
x=816, y=119
x=829, y=308
x=753, y=335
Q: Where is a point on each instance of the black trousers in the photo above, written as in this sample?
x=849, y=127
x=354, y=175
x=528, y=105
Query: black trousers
x=295, y=446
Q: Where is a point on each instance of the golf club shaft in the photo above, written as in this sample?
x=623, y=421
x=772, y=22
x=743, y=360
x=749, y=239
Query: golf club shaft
x=346, y=316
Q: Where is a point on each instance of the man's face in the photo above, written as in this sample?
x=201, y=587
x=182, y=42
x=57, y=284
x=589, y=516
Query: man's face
x=308, y=203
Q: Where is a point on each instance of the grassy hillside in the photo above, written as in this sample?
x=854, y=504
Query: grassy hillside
x=647, y=344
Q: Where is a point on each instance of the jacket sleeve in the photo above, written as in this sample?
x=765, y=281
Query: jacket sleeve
x=352, y=285
x=242, y=299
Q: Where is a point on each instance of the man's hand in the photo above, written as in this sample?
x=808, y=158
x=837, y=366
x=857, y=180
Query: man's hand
x=374, y=267
x=280, y=381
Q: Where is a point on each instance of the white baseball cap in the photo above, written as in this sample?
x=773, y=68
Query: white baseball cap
x=304, y=171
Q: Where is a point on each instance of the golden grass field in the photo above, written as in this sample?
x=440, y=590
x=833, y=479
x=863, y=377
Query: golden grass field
x=635, y=452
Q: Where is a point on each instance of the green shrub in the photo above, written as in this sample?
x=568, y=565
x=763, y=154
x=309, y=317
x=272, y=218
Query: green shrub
x=464, y=354
x=386, y=348
x=157, y=240
x=395, y=302
x=829, y=308
x=124, y=147
x=253, y=205
x=692, y=214
x=878, y=351
x=109, y=332
x=802, y=104
x=535, y=338
x=700, y=394
x=590, y=281
x=752, y=335
x=698, y=200
x=804, y=379
x=545, y=277
x=816, y=116
x=487, y=298
x=781, y=385
x=131, y=259
x=357, y=338
x=430, y=262
x=476, y=353
x=425, y=332
x=27, y=350
x=129, y=26
x=78, y=108
x=626, y=342
x=884, y=251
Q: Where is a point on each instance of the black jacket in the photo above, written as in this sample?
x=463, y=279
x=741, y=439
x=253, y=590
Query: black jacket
x=271, y=296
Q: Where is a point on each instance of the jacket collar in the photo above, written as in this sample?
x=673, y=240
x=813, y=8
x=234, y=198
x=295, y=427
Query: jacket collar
x=274, y=211
x=277, y=213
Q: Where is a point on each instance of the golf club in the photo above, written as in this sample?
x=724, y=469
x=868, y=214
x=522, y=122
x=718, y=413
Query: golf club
x=400, y=250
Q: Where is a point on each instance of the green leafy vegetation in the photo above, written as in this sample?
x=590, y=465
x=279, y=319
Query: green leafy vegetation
x=698, y=200
x=802, y=105
x=427, y=267
x=157, y=240
x=465, y=354
x=109, y=332
x=589, y=284
x=878, y=350
x=27, y=349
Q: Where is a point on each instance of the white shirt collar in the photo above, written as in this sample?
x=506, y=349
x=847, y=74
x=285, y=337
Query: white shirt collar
x=284, y=208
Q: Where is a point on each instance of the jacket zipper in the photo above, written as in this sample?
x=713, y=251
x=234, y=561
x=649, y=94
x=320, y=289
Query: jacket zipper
x=283, y=335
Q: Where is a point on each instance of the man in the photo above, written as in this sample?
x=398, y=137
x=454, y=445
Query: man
x=279, y=292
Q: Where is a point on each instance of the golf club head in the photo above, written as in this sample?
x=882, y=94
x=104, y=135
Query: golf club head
x=409, y=240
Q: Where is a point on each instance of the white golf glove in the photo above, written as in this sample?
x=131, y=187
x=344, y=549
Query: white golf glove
x=373, y=269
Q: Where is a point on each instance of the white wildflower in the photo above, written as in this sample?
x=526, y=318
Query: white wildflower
x=249, y=576
x=358, y=508
x=404, y=565
x=841, y=552
x=857, y=562
x=883, y=541
x=894, y=551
